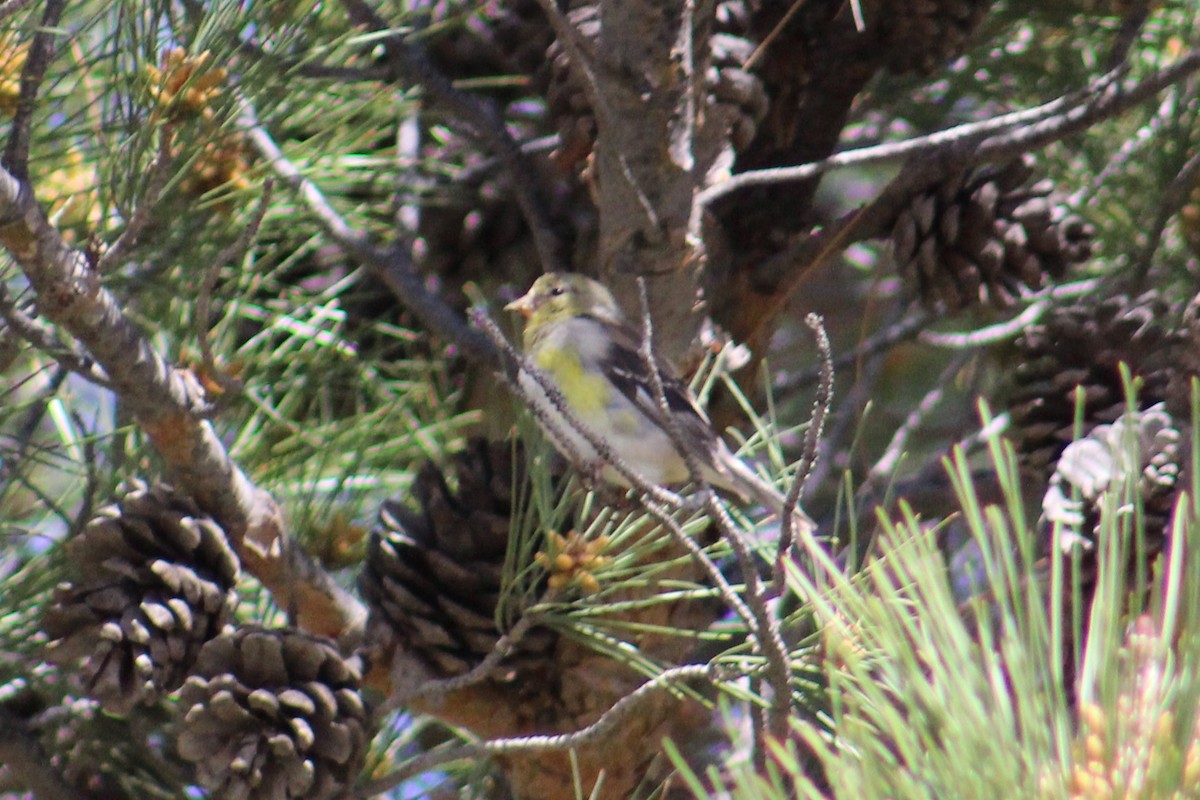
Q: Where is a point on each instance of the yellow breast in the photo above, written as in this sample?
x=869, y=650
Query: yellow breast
x=586, y=394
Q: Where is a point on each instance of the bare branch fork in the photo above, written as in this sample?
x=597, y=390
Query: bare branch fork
x=931, y=158
x=930, y=162
x=664, y=681
x=165, y=402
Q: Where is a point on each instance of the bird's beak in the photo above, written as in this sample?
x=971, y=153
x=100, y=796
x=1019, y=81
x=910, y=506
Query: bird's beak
x=523, y=305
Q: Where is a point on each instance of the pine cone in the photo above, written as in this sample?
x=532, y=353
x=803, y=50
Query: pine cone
x=566, y=96
x=273, y=714
x=983, y=236
x=432, y=576
x=734, y=90
x=1099, y=463
x=154, y=582
x=1082, y=346
x=926, y=34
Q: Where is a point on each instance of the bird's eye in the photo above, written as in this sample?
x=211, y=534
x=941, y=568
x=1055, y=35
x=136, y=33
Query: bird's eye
x=558, y=291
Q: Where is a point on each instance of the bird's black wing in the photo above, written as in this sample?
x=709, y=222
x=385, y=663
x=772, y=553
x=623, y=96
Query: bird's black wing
x=627, y=369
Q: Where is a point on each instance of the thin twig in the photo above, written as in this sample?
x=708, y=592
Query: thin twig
x=904, y=329
x=419, y=765
x=885, y=467
x=1134, y=18
x=770, y=37
x=28, y=427
x=487, y=667
x=143, y=213
x=582, y=57
x=812, y=444
x=959, y=137
x=665, y=680
x=603, y=449
x=1170, y=201
x=392, y=265
x=726, y=591
x=1005, y=331
x=765, y=626
x=767, y=635
x=42, y=337
x=845, y=421
x=41, y=52
x=481, y=118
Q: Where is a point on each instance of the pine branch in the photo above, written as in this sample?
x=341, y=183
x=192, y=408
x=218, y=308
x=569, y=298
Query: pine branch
x=167, y=404
x=391, y=265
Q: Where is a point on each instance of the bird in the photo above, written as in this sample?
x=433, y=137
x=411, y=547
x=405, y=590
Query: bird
x=577, y=337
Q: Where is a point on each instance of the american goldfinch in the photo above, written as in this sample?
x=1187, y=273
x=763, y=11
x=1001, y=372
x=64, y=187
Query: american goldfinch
x=577, y=337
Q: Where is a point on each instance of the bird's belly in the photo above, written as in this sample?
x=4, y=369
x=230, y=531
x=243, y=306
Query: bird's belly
x=642, y=445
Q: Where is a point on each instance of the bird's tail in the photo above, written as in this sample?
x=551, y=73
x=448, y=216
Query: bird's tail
x=742, y=480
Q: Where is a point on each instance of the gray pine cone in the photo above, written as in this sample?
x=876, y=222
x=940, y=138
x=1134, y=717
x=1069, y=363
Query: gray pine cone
x=272, y=715
x=432, y=577
x=1101, y=462
x=985, y=236
x=154, y=582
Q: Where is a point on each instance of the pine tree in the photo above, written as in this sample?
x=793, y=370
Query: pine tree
x=277, y=521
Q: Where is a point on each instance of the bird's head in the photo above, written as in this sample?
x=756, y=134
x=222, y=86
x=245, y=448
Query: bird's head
x=562, y=295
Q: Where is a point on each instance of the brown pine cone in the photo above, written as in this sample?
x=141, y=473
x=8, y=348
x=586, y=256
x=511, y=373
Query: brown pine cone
x=1083, y=345
x=986, y=236
x=153, y=582
x=433, y=575
x=271, y=715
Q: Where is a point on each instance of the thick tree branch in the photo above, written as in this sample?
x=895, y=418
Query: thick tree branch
x=932, y=158
x=990, y=139
x=651, y=158
x=166, y=403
